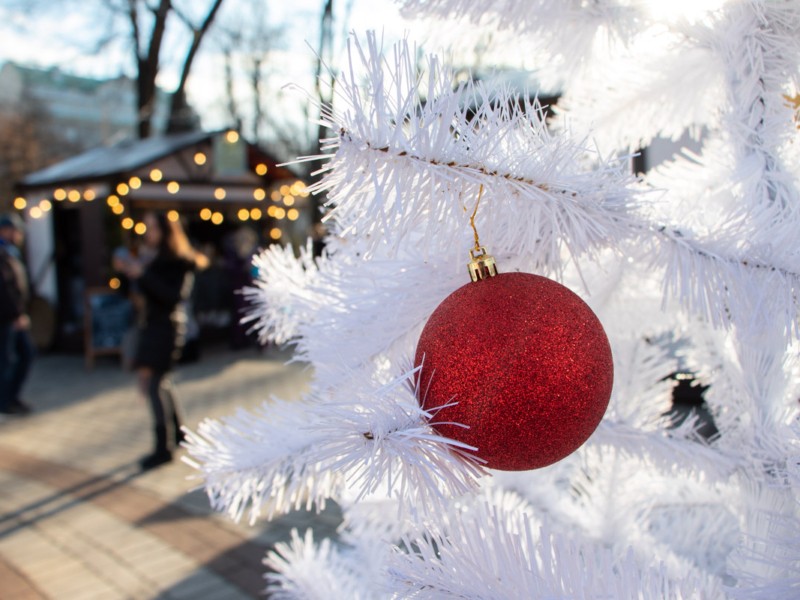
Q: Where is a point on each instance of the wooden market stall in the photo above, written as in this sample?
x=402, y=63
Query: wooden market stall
x=80, y=211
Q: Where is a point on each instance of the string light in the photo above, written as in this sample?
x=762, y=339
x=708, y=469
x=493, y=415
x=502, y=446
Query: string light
x=220, y=193
x=243, y=214
x=114, y=283
x=275, y=233
x=122, y=189
x=259, y=194
x=135, y=183
x=35, y=212
x=232, y=136
x=285, y=190
x=205, y=214
x=156, y=175
x=89, y=195
x=288, y=200
x=45, y=205
x=140, y=228
x=20, y=203
x=255, y=214
x=280, y=212
x=271, y=210
x=127, y=223
x=217, y=218
x=118, y=209
x=199, y=158
x=74, y=195
x=173, y=187
x=60, y=194
x=293, y=214
x=173, y=216
x=261, y=169
x=275, y=195
x=112, y=200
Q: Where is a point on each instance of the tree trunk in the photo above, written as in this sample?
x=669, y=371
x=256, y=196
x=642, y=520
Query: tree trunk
x=233, y=108
x=147, y=64
x=180, y=118
x=258, y=113
x=324, y=92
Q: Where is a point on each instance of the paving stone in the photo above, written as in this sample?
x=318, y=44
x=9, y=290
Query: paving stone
x=215, y=588
x=15, y=584
x=78, y=521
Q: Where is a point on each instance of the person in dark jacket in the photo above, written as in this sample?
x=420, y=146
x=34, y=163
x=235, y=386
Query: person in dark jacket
x=165, y=284
x=16, y=344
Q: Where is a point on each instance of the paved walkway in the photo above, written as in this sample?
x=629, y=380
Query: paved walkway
x=77, y=519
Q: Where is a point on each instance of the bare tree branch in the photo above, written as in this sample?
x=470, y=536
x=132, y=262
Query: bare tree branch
x=230, y=96
x=133, y=15
x=256, y=81
x=248, y=39
x=178, y=105
x=147, y=65
x=325, y=96
x=184, y=17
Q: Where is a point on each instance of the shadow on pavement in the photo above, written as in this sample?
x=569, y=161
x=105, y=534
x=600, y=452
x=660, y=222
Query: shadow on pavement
x=69, y=497
x=239, y=562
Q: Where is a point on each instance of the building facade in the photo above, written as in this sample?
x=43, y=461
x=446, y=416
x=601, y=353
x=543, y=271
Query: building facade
x=87, y=112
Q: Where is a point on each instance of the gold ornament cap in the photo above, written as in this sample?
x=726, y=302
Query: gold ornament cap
x=481, y=264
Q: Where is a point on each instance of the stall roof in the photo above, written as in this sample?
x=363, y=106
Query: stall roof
x=108, y=161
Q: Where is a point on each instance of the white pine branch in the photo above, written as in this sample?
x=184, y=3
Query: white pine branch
x=279, y=300
x=681, y=449
x=340, y=297
x=411, y=153
x=287, y=455
x=262, y=460
x=387, y=447
x=493, y=552
x=642, y=392
x=305, y=571
x=407, y=164
x=725, y=286
x=537, y=25
x=754, y=404
x=766, y=564
x=759, y=45
x=677, y=511
x=661, y=87
x=405, y=171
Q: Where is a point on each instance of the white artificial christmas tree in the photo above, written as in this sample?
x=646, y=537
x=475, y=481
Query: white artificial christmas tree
x=693, y=267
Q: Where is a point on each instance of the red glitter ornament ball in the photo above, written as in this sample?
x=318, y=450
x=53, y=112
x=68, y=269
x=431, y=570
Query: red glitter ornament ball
x=526, y=361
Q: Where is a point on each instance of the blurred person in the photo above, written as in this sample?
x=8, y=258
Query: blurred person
x=318, y=233
x=16, y=344
x=121, y=259
x=165, y=284
x=239, y=264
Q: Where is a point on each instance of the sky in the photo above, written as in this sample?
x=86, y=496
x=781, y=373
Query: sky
x=45, y=38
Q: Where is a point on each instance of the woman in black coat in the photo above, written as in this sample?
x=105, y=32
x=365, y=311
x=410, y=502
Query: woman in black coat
x=165, y=284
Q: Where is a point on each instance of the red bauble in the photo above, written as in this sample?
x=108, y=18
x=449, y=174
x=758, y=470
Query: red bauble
x=526, y=361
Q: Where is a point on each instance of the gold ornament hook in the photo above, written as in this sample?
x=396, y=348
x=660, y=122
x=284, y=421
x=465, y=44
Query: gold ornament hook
x=472, y=218
x=481, y=264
